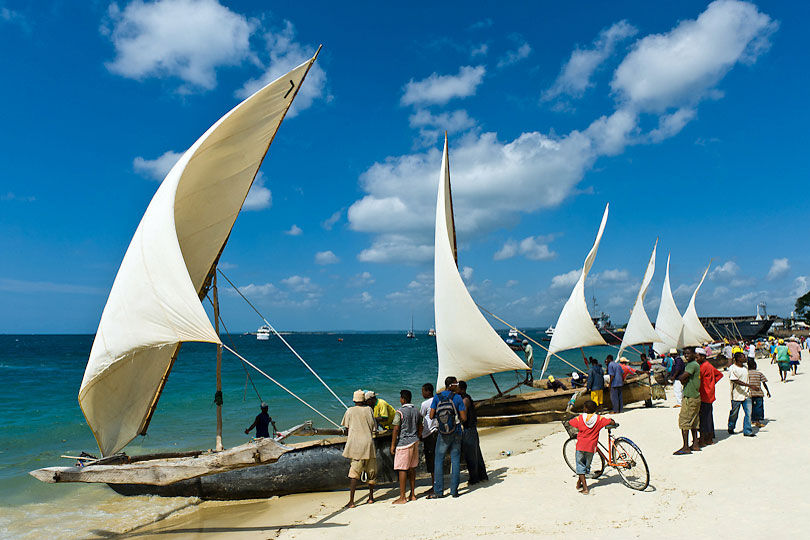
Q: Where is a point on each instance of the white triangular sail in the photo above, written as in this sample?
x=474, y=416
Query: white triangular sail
x=466, y=344
x=575, y=327
x=154, y=304
x=693, y=334
x=639, y=328
x=669, y=321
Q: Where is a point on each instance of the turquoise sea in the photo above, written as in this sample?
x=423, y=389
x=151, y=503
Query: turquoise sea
x=40, y=418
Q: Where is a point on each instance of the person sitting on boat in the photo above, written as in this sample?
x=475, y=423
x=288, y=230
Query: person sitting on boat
x=554, y=384
x=262, y=424
x=360, y=445
x=596, y=382
x=529, y=352
x=383, y=412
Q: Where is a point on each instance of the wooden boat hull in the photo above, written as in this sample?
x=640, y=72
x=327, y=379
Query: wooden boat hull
x=309, y=466
x=547, y=405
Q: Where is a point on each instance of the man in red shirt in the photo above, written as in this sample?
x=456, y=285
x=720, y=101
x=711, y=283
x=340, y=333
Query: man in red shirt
x=709, y=376
x=588, y=424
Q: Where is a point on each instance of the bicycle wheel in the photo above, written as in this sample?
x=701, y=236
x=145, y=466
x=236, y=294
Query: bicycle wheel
x=570, y=455
x=630, y=463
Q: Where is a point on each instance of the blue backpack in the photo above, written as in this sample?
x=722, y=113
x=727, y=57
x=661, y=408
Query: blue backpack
x=446, y=415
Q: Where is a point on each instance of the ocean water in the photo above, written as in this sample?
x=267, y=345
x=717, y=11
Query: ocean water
x=40, y=417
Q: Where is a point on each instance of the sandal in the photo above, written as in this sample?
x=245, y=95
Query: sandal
x=434, y=496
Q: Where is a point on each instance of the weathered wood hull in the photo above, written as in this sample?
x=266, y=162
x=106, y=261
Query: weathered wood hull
x=310, y=466
x=547, y=405
x=170, y=470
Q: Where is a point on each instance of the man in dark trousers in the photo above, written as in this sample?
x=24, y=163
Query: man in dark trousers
x=262, y=424
x=470, y=446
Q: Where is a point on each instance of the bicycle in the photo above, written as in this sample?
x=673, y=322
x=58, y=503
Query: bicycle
x=622, y=454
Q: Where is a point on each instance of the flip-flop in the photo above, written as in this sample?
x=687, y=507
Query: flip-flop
x=434, y=496
x=682, y=452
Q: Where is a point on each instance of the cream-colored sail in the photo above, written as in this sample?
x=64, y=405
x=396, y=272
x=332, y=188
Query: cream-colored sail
x=693, y=334
x=669, y=321
x=575, y=327
x=154, y=304
x=466, y=344
x=639, y=328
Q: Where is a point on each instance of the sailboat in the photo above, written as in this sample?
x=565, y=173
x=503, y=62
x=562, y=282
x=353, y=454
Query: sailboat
x=693, y=334
x=668, y=323
x=468, y=347
x=639, y=328
x=410, y=334
x=155, y=304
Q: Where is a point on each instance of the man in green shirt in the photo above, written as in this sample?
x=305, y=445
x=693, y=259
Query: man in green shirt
x=690, y=406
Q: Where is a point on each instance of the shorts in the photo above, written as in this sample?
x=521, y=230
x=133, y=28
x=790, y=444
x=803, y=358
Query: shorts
x=597, y=396
x=689, y=417
x=583, y=460
x=406, y=457
x=360, y=466
x=794, y=362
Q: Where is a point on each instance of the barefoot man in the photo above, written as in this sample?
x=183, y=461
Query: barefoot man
x=689, y=417
x=360, y=445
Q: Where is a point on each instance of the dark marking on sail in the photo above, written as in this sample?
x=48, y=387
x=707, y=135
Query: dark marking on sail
x=292, y=87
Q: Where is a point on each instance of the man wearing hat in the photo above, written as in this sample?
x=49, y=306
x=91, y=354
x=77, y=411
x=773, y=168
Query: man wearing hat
x=529, y=352
x=383, y=412
x=360, y=445
x=262, y=423
x=624, y=363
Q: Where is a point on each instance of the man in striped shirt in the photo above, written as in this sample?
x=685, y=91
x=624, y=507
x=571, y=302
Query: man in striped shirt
x=757, y=381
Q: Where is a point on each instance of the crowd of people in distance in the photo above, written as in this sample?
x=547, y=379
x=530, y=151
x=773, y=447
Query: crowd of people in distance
x=444, y=423
x=612, y=378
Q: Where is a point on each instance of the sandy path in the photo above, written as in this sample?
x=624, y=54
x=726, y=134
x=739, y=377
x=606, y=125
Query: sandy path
x=740, y=487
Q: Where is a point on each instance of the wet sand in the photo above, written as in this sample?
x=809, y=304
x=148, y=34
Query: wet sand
x=740, y=487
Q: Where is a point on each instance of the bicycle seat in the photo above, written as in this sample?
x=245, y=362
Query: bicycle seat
x=613, y=426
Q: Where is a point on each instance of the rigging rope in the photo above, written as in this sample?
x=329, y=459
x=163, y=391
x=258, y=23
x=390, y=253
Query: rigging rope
x=282, y=339
x=248, y=362
x=247, y=373
x=529, y=338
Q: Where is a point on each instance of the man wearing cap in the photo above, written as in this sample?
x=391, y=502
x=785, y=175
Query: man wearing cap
x=360, y=445
x=383, y=412
x=262, y=423
x=624, y=363
x=529, y=352
x=689, y=416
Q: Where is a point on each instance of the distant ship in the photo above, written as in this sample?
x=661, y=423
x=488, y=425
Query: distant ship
x=410, y=334
x=746, y=328
x=432, y=332
x=263, y=333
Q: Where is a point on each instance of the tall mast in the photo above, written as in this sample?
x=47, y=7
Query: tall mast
x=218, y=395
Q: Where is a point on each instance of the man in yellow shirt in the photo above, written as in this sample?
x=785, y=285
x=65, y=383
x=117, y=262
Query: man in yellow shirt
x=383, y=412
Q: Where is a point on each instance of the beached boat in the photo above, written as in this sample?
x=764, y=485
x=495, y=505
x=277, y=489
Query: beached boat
x=155, y=304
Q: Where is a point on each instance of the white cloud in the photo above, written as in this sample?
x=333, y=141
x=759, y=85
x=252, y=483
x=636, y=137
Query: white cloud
x=566, y=280
x=158, y=168
x=725, y=272
x=801, y=285
x=509, y=250
x=184, y=39
x=432, y=125
x=284, y=54
x=481, y=25
x=388, y=248
x=11, y=196
x=259, y=197
x=365, y=297
x=13, y=17
x=253, y=290
x=330, y=222
x=779, y=268
x=326, y=257
x=671, y=124
x=575, y=75
x=225, y=265
x=300, y=284
x=295, y=230
x=481, y=50
x=681, y=67
x=439, y=89
x=512, y=283
x=534, y=248
x=467, y=273
x=514, y=56
x=612, y=275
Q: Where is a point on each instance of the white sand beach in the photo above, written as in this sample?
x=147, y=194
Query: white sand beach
x=740, y=487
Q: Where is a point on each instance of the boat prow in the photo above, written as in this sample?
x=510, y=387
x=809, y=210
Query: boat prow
x=162, y=471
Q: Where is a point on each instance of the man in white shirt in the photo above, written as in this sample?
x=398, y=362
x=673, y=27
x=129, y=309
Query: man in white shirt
x=430, y=431
x=740, y=395
x=752, y=352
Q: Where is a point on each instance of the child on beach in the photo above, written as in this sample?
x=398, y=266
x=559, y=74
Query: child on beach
x=757, y=381
x=407, y=426
x=588, y=424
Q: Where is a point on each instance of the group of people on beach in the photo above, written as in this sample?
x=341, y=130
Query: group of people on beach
x=444, y=423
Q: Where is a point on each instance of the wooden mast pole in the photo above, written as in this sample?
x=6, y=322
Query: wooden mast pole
x=218, y=395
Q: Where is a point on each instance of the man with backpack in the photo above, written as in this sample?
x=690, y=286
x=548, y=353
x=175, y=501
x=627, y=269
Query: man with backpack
x=449, y=412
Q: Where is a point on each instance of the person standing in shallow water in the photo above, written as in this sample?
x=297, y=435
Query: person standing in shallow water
x=470, y=445
x=262, y=424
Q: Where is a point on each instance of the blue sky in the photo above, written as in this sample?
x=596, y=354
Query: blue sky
x=689, y=118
